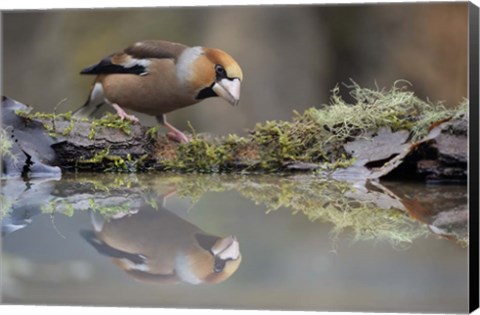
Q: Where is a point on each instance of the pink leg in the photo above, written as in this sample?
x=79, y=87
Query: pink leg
x=176, y=134
x=123, y=115
x=167, y=195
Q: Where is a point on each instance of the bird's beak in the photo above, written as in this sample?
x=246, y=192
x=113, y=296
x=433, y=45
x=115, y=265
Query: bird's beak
x=228, y=89
x=227, y=248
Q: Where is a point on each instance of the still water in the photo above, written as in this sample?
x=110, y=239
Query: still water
x=248, y=242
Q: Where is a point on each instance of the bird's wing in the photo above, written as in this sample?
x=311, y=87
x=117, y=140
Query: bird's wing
x=106, y=250
x=136, y=58
x=155, y=49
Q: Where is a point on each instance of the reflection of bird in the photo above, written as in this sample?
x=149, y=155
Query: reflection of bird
x=158, y=246
x=156, y=77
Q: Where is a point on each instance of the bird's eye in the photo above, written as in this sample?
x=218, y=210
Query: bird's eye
x=219, y=265
x=220, y=70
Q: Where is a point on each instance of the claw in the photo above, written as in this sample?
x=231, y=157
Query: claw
x=178, y=136
x=175, y=134
x=123, y=115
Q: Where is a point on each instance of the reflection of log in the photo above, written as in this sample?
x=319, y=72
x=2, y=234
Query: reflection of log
x=443, y=208
x=453, y=223
x=109, y=144
x=394, y=211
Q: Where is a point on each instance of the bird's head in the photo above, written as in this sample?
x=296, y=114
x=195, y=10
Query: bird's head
x=212, y=72
x=214, y=260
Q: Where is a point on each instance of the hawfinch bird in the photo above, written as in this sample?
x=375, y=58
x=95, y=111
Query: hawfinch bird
x=155, y=245
x=156, y=77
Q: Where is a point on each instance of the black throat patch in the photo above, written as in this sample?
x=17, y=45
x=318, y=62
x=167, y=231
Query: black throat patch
x=206, y=93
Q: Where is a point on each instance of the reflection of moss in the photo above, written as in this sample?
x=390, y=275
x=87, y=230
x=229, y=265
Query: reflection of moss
x=344, y=205
x=194, y=186
x=109, y=210
x=324, y=200
x=368, y=222
x=319, y=199
x=67, y=208
x=5, y=205
x=463, y=241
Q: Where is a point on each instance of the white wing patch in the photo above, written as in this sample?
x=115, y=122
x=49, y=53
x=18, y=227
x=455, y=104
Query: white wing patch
x=130, y=265
x=132, y=62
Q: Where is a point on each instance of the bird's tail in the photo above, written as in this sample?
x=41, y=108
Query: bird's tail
x=94, y=103
x=87, y=110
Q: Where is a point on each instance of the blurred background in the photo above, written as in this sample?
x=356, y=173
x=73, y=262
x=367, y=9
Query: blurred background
x=292, y=56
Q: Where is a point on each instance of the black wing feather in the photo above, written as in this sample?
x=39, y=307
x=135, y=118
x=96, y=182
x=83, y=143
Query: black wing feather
x=105, y=249
x=105, y=66
x=148, y=49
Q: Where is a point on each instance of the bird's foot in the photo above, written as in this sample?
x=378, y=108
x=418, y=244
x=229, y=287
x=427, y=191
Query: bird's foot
x=178, y=136
x=123, y=115
x=175, y=134
x=120, y=215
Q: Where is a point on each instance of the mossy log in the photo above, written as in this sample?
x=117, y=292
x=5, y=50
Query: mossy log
x=92, y=146
x=382, y=132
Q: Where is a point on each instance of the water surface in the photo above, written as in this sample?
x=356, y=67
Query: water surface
x=305, y=243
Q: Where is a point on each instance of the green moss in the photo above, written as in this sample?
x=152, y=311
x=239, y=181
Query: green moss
x=107, y=161
x=110, y=121
x=97, y=158
x=69, y=128
x=318, y=134
x=51, y=116
x=197, y=155
x=50, y=120
x=206, y=156
x=5, y=145
x=152, y=132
